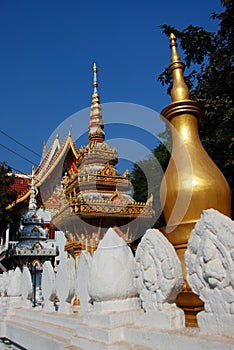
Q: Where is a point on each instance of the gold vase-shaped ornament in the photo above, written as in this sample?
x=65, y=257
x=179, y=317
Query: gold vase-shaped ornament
x=192, y=182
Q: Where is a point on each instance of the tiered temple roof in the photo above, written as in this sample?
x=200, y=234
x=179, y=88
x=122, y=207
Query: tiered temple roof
x=98, y=195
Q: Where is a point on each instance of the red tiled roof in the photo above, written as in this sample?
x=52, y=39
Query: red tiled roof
x=21, y=184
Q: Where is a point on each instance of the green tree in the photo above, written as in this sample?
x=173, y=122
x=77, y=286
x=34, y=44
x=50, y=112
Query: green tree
x=7, y=195
x=146, y=178
x=211, y=83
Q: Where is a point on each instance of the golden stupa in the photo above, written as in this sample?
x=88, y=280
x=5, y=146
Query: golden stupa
x=192, y=182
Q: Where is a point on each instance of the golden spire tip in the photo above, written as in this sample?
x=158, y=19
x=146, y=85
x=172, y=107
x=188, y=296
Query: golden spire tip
x=95, y=83
x=172, y=37
x=173, y=44
x=96, y=121
x=180, y=90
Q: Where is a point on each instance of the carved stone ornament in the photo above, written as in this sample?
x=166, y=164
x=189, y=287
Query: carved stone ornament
x=158, y=274
x=210, y=270
x=14, y=284
x=26, y=285
x=65, y=283
x=48, y=285
x=111, y=273
x=81, y=286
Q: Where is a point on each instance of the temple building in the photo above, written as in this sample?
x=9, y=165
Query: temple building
x=83, y=190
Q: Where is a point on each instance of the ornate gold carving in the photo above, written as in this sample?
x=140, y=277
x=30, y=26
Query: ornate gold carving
x=108, y=170
x=98, y=135
x=126, y=174
x=65, y=180
x=149, y=201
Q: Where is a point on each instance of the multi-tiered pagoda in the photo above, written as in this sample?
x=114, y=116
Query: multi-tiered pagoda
x=98, y=196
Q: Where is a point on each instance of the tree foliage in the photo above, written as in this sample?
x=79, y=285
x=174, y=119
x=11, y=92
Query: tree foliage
x=209, y=58
x=146, y=178
x=7, y=195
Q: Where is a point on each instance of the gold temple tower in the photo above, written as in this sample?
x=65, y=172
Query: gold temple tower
x=98, y=196
x=192, y=182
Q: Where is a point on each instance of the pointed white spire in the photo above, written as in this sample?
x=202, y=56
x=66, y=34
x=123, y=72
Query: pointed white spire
x=32, y=200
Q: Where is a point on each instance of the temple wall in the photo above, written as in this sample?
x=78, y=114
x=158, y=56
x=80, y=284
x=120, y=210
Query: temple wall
x=114, y=300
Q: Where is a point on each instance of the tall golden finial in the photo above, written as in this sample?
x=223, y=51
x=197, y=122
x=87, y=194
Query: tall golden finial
x=180, y=90
x=95, y=96
x=174, y=54
x=95, y=83
x=96, y=123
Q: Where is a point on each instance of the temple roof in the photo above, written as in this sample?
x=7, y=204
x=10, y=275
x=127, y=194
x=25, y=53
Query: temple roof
x=55, y=154
x=21, y=183
x=53, y=157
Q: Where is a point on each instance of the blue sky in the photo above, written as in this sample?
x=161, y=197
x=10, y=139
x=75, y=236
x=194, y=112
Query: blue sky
x=47, y=50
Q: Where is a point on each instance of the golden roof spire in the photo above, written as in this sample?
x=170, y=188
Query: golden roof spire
x=96, y=123
x=180, y=90
x=174, y=54
x=95, y=96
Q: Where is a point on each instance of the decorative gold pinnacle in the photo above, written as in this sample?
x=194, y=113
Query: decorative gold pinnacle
x=95, y=83
x=180, y=90
x=174, y=54
x=95, y=111
x=95, y=96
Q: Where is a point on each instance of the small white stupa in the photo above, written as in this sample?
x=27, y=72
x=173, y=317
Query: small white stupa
x=33, y=249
